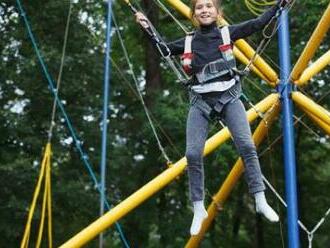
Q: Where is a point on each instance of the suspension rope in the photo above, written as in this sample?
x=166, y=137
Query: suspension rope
x=45, y=172
x=77, y=142
x=270, y=157
x=59, y=77
x=146, y=110
x=266, y=40
x=166, y=10
x=106, y=89
x=310, y=234
x=134, y=91
x=152, y=32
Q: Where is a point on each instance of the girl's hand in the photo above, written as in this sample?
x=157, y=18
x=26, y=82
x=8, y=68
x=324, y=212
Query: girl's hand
x=284, y=3
x=142, y=20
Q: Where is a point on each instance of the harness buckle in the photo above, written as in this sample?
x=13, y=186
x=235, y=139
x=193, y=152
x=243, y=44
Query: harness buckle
x=213, y=67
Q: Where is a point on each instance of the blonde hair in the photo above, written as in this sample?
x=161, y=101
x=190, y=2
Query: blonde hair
x=216, y=3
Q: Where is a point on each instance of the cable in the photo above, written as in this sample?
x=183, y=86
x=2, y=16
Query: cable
x=59, y=77
x=180, y=24
x=161, y=148
x=77, y=142
x=152, y=117
x=159, y=44
x=310, y=234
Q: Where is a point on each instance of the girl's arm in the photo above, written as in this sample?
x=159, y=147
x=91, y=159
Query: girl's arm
x=175, y=47
x=244, y=29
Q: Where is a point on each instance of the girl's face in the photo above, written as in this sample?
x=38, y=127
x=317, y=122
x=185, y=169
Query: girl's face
x=205, y=12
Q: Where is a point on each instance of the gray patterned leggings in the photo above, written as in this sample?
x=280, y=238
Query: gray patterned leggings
x=234, y=116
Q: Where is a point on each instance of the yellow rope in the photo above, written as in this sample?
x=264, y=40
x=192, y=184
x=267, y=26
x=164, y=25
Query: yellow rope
x=42, y=218
x=258, y=7
x=45, y=174
x=49, y=205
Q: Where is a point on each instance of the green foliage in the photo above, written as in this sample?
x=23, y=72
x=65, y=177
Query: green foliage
x=133, y=155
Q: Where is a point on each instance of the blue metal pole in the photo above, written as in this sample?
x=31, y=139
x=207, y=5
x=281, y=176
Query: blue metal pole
x=285, y=89
x=105, y=112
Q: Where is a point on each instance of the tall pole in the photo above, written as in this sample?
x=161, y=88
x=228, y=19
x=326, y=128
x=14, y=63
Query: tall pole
x=105, y=112
x=285, y=89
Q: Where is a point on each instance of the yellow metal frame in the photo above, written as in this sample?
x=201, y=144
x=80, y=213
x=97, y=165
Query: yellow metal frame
x=312, y=45
x=319, y=122
x=314, y=68
x=158, y=183
x=312, y=107
x=243, y=52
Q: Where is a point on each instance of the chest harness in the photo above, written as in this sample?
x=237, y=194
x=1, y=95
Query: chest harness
x=210, y=71
x=214, y=69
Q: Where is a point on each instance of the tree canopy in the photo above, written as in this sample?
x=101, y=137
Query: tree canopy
x=133, y=154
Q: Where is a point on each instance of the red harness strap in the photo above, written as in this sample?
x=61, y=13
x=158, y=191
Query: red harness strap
x=187, y=56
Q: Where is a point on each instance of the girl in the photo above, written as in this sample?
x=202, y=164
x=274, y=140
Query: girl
x=214, y=92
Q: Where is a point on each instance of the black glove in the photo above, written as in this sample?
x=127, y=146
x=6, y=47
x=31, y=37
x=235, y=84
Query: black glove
x=284, y=3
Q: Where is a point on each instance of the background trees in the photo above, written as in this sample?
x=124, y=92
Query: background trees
x=163, y=221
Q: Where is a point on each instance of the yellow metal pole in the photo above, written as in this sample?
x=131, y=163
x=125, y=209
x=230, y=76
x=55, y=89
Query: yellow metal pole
x=241, y=57
x=312, y=45
x=259, y=62
x=313, y=69
x=157, y=183
x=312, y=107
x=318, y=122
x=242, y=45
x=234, y=175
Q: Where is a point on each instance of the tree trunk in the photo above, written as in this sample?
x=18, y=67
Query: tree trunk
x=239, y=211
x=259, y=233
x=153, y=79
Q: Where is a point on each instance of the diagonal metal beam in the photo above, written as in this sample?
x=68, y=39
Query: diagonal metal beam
x=309, y=105
x=312, y=45
x=314, y=68
x=158, y=182
x=318, y=121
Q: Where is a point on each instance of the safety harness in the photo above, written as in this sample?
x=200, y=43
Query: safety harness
x=214, y=69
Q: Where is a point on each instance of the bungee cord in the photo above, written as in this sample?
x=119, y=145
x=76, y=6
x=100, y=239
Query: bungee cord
x=267, y=37
x=275, y=64
x=152, y=32
x=176, y=20
x=45, y=171
x=161, y=148
x=59, y=77
x=257, y=7
x=137, y=96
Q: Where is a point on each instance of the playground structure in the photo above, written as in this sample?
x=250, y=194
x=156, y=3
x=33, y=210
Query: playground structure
x=270, y=107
